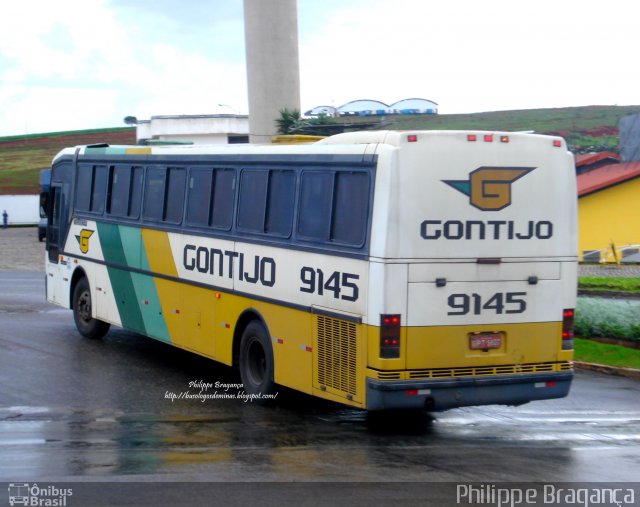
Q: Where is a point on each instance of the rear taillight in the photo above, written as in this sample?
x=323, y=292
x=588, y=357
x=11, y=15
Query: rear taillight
x=390, y=336
x=567, y=329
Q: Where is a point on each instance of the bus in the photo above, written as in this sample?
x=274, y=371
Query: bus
x=381, y=270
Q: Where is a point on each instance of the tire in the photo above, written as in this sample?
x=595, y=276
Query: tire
x=87, y=326
x=256, y=361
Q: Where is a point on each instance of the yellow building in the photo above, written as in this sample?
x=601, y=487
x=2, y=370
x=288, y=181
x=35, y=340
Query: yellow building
x=608, y=211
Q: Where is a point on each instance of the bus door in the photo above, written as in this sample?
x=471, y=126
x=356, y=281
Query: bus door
x=53, y=223
x=58, y=225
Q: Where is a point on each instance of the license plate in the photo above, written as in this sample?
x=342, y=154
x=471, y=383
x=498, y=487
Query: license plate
x=485, y=341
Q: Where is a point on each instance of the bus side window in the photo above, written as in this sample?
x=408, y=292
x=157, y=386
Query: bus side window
x=314, y=217
x=253, y=198
x=223, y=199
x=119, y=182
x=99, y=189
x=83, y=187
x=266, y=201
x=135, y=198
x=154, y=194
x=350, y=208
x=174, y=195
x=199, y=197
x=280, y=200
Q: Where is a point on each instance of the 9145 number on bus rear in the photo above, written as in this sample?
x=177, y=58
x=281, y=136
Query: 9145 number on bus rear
x=500, y=303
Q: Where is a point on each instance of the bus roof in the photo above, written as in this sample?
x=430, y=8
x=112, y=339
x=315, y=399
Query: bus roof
x=350, y=142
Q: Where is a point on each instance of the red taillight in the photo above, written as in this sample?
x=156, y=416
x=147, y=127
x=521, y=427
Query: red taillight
x=471, y=137
x=390, y=336
x=412, y=138
x=557, y=143
x=488, y=138
x=567, y=329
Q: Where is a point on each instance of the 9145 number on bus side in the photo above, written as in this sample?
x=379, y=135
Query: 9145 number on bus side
x=340, y=285
x=500, y=303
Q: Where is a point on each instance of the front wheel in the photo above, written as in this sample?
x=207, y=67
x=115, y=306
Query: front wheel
x=86, y=324
x=256, y=361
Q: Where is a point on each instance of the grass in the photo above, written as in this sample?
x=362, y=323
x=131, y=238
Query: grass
x=590, y=351
x=563, y=120
x=589, y=128
x=22, y=157
x=25, y=138
x=606, y=283
x=607, y=318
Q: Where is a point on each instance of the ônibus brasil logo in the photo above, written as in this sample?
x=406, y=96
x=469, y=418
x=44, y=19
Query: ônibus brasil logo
x=489, y=188
x=23, y=493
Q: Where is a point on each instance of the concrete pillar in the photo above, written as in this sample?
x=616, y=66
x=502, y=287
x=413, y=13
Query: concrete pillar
x=273, y=73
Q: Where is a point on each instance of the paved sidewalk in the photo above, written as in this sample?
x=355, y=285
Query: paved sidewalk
x=20, y=249
x=608, y=270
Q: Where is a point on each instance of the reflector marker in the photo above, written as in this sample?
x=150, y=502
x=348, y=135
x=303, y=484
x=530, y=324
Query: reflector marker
x=305, y=348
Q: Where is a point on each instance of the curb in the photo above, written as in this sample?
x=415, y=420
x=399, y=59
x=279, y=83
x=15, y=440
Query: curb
x=609, y=370
x=608, y=294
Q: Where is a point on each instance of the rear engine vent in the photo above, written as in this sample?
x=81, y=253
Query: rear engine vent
x=337, y=354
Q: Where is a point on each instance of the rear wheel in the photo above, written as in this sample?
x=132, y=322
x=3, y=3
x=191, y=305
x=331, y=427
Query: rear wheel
x=256, y=360
x=82, y=310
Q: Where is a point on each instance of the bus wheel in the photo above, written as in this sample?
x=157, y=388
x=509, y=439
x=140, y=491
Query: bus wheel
x=87, y=326
x=256, y=360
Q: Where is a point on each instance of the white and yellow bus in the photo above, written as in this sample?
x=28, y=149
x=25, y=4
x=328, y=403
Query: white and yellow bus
x=381, y=270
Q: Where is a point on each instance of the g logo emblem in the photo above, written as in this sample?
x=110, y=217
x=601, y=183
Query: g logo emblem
x=83, y=240
x=489, y=188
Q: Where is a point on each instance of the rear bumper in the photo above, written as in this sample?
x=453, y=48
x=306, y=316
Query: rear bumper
x=443, y=394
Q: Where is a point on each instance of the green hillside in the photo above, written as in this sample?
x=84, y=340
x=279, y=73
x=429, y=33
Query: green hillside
x=589, y=128
x=22, y=157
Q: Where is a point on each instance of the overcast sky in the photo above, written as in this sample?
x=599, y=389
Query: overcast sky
x=77, y=64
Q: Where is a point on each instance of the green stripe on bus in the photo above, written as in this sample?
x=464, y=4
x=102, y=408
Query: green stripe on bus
x=105, y=151
x=122, y=284
x=145, y=286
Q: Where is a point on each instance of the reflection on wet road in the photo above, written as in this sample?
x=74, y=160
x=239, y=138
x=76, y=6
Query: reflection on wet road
x=71, y=407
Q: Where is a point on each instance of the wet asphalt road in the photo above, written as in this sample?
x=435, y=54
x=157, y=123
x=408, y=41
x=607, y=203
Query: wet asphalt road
x=76, y=409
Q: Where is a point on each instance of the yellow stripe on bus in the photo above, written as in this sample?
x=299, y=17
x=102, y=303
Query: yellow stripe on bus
x=138, y=151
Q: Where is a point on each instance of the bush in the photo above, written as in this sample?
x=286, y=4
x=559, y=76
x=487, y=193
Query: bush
x=607, y=318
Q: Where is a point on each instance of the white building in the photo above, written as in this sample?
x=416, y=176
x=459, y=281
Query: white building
x=196, y=129
x=368, y=107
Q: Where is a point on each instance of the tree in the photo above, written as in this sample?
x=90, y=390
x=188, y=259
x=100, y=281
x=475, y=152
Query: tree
x=288, y=121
